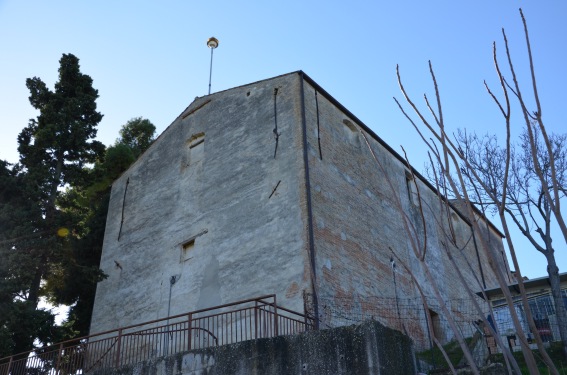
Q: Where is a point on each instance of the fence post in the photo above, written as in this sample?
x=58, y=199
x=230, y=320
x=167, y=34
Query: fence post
x=118, y=348
x=190, y=329
x=305, y=319
x=10, y=365
x=276, y=330
x=59, y=354
x=255, y=319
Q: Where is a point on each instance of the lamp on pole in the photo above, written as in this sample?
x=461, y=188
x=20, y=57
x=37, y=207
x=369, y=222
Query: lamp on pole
x=212, y=43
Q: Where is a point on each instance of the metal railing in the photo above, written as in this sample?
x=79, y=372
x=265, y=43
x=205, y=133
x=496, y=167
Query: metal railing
x=220, y=325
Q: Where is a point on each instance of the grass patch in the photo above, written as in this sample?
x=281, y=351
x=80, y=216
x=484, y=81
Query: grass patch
x=554, y=351
x=435, y=358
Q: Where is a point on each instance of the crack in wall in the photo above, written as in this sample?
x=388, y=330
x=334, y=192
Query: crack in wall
x=123, y=204
x=276, y=134
x=275, y=188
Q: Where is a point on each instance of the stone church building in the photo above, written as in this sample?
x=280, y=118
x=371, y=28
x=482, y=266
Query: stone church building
x=275, y=188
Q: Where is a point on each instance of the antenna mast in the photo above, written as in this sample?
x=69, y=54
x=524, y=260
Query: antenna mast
x=212, y=43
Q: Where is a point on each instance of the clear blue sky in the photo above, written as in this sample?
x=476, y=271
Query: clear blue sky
x=149, y=59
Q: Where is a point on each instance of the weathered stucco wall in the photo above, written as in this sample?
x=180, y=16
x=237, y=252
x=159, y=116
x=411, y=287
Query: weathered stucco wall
x=359, y=205
x=361, y=350
x=210, y=178
x=214, y=182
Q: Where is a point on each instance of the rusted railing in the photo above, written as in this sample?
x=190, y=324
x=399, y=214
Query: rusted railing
x=226, y=324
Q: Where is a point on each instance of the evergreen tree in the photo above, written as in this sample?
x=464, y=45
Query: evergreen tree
x=53, y=208
x=55, y=149
x=20, y=238
x=137, y=134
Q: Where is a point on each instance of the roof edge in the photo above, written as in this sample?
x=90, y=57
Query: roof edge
x=391, y=150
x=529, y=283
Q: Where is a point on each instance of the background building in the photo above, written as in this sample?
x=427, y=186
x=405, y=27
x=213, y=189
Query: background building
x=538, y=292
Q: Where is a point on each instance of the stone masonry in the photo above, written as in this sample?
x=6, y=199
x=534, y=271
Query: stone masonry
x=271, y=188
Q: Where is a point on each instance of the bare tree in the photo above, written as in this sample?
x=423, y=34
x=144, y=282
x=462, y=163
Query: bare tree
x=450, y=158
x=538, y=171
x=527, y=205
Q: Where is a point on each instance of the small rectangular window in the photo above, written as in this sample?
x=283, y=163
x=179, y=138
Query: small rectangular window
x=190, y=246
x=196, y=148
x=187, y=250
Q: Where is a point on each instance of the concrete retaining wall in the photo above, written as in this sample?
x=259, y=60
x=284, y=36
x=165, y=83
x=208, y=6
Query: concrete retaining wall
x=366, y=349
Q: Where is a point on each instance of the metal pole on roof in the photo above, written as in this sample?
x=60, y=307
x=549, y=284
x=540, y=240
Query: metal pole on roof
x=212, y=43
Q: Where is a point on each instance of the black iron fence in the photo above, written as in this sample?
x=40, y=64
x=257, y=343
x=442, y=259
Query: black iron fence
x=226, y=324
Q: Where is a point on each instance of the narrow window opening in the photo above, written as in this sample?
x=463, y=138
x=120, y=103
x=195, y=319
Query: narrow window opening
x=436, y=325
x=349, y=125
x=351, y=132
x=452, y=222
x=412, y=189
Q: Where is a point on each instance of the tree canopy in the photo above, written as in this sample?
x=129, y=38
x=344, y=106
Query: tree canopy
x=137, y=134
x=53, y=207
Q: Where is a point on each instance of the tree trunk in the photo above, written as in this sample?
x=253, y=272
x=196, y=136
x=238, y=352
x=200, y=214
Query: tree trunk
x=560, y=310
x=33, y=294
x=23, y=338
